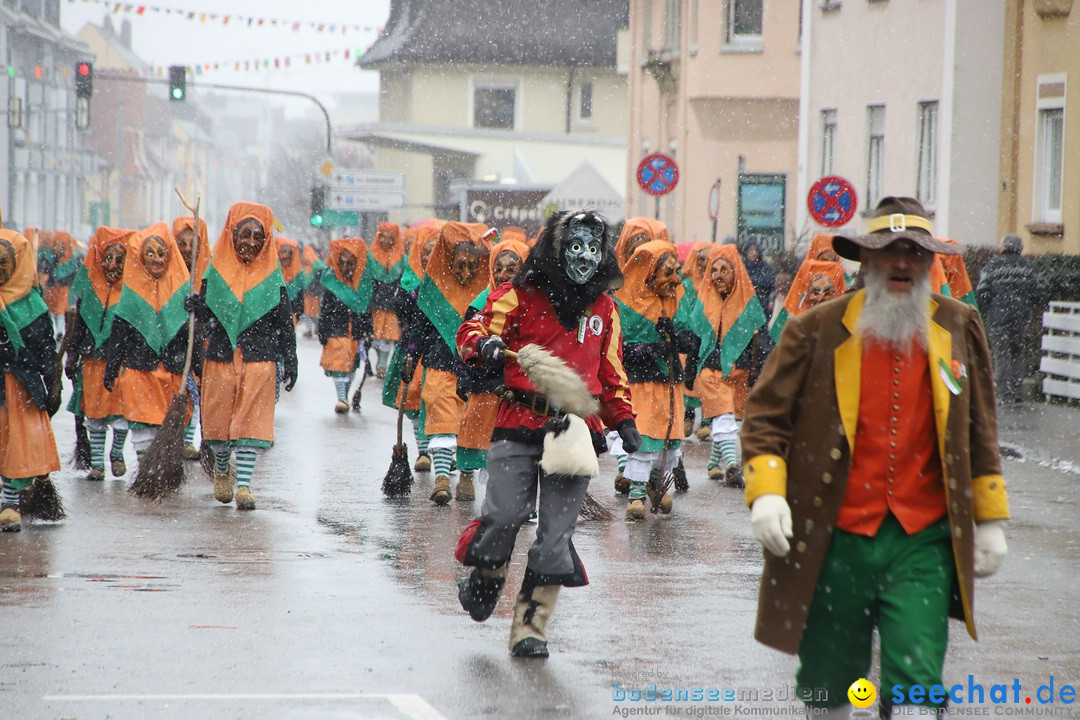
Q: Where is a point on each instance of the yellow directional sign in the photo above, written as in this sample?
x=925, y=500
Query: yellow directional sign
x=326, y=169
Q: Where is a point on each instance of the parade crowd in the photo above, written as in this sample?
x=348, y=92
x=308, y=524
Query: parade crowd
x=802, y=407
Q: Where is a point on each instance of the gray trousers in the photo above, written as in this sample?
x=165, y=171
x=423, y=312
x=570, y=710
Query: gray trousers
x=513, y=477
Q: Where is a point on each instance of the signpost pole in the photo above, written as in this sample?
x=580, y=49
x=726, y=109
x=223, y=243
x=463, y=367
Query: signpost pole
x=714, y=230
x=657, y=205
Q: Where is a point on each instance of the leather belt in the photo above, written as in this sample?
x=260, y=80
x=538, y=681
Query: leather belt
x=534, y=401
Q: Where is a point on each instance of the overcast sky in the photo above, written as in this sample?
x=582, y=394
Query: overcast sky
x=163, y=40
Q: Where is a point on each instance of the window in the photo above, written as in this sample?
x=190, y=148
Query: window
x=926, y=188
x=1049, y=148
x=828, y=141
x=494, y=107
x=875, y=153
x=585, y=91
x=744, y=21
x=672, y=25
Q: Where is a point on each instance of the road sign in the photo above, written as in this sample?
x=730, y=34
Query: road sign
x=658, y=174
x=340, y=218
x=714, y=200
x=832, y=201
x=365, y=190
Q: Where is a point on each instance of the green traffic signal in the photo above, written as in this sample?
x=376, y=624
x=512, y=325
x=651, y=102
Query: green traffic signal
x=177, y=82
x=317, y=220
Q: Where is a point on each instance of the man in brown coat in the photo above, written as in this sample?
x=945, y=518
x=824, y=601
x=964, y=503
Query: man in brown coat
x=873, y=474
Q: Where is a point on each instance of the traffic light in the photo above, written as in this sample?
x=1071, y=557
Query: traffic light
x=177, y=82
x=318, y=205
x=84, y=88
x=84, y=80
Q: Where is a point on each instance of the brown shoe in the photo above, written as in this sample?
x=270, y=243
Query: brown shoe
x=190, y=453
x=223, y=488
x=119, y=467
x=622, y=484
x=96, y=474
x=441, y=494
x=423, y=463
x=10, y=519
x=465, y=490
x=244, y=499
x=704, y=432
x=715, y=472
x=341, y=408
x=635, y=509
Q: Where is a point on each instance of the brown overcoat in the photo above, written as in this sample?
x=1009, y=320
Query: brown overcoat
x=799, y=432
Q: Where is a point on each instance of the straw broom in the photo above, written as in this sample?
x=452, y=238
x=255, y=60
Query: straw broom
x=399, y=479
x=161, y=468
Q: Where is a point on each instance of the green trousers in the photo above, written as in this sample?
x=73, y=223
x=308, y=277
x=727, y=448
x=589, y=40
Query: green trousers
x=899, y=583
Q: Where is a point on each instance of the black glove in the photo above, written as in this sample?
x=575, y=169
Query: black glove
x=54, y=403
x=196, y=304
x=71, y=369
x=108, y=382
x=492, y=349
x=290, y=374
x=665, y=326
x=631, y=438
x=690, y=372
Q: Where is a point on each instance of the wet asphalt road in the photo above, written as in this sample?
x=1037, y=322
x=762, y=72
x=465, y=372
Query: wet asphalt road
x=330, y=601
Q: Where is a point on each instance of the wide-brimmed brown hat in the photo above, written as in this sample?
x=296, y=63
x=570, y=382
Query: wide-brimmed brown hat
x=894, y=218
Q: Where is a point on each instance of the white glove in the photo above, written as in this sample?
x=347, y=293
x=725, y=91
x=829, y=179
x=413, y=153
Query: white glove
x=990, y=547
x=770, y=521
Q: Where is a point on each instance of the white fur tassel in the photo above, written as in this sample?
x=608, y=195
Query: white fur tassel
x=568, y=449
x=556, y=380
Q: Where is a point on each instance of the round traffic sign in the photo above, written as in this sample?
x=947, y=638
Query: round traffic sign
x=657, y=174
x=832, y=201
x=714, y=200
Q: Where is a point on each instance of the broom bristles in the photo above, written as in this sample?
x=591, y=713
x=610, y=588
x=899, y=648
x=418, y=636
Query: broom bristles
x=42, y=500
x=556, y=380
x=161, y=467
x=592, y=509
x=82, y=445
x=398, y=481
x=206, y=459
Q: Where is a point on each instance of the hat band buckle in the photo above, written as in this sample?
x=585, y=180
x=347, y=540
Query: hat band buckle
x=897, y=222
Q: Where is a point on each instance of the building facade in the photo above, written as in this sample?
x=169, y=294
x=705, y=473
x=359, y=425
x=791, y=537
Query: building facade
x=515, y=93
x=904, y=98
x=45, y=155
x=1040, y=180
x=715, y=85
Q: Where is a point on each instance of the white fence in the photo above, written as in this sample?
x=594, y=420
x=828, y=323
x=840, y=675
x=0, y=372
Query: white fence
x=1061, y=350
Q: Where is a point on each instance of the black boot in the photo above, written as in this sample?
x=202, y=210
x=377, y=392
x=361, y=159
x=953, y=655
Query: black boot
x=479, y=592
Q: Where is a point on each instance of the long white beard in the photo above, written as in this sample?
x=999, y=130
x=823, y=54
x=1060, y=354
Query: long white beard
x=892, y=318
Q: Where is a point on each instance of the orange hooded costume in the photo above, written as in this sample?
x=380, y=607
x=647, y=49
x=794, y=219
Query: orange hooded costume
x=339, y=356
x=148, y=342
x=93, y=325
x=389, y=264
x=27, y=444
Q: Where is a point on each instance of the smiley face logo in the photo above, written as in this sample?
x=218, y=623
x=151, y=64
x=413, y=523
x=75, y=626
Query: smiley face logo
x=862, y=693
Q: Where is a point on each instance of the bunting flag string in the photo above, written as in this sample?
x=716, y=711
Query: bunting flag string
x=231, y=19
x=280, y=62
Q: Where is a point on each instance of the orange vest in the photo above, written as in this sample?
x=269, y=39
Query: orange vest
x=895, y=466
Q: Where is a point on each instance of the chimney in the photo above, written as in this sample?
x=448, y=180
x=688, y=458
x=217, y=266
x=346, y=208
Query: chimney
x=125, y=34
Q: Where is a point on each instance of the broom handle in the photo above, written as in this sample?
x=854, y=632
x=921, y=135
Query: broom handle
x=65, y=346
x=403, y=389
x=191, y=279
x=672, y=358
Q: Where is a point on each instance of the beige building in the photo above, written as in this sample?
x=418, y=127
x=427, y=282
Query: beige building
x=904, y=98
x=715, y=84
x=1040, y=189
x=516, y=94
